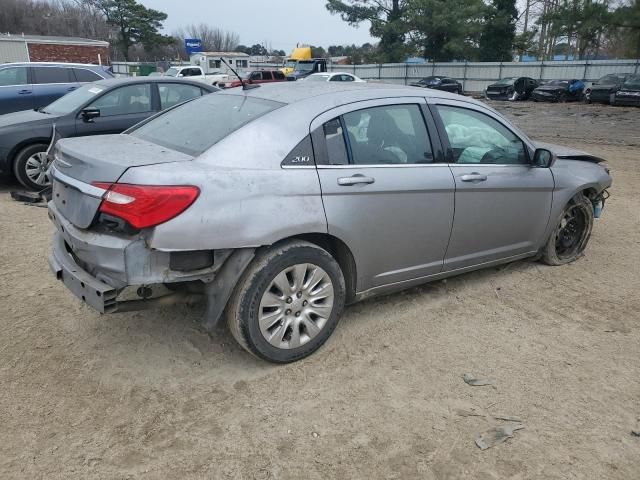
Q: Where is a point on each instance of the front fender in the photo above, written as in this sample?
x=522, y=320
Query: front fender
x=572, y=177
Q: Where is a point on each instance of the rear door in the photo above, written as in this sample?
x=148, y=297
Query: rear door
x=16, y=91
x=384, y=193
x=51, y=83
x=120, y=109
x=503, y=203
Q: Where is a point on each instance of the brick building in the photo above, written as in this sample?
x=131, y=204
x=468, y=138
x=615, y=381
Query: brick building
x=32, y=48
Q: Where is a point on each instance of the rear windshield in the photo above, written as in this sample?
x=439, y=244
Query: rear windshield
x=196, y=126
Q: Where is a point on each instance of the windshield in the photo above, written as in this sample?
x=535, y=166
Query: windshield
x=506, y=81
x=291, y=63
x=558, y=83
x=305, y=67
x=189, y=129
x=608, y=80
x=633, y=83
x=172, y=72
x=317, y=78
x=74, y=100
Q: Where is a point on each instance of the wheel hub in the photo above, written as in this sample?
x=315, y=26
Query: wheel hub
x=296, y=306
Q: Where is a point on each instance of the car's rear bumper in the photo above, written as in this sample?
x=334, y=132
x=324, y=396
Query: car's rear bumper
x=87, y=288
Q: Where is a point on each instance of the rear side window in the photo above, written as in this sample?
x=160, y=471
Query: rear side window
x=84, y=76
x=43, y=75
x=266, y=75
x=173, y=93
x=334, y=138
x=196, y=126
x=13, y=76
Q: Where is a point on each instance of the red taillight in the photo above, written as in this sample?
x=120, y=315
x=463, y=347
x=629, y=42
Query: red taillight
x=144, y=206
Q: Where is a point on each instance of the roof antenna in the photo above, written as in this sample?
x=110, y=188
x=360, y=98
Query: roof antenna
x=245, y=86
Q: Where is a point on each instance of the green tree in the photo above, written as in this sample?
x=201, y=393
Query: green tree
x=134, y=22
x=499, y=31
x=387, y=19
x=445, y=30
x=627, y=19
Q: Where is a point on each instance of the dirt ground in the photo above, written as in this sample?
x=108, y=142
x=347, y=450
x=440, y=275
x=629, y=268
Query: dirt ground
x=148, y=395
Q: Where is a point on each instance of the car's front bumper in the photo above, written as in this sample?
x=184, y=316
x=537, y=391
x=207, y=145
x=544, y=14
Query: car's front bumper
x=631, y=99
x=497, y=95
x=544, y=96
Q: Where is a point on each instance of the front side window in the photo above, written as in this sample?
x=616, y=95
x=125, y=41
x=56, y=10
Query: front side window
x=477, y=138
x=44, y=75
x=189, y=129
x=174, y=93
x=278, y=75
x=13, y=76
x=125, y=100
x=394, y=134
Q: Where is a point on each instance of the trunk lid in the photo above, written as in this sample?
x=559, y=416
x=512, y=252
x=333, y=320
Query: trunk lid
x=81, y=161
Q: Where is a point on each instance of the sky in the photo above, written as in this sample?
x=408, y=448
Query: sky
x=279, y=24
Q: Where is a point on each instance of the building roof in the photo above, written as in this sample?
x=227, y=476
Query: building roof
x=221, y=54
x=52, y=40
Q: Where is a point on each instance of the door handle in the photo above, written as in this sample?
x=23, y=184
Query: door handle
x=355, y=180
x=24, y=92
x=473, y=177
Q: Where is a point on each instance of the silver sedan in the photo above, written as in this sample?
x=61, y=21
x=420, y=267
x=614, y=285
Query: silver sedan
x=280, y=204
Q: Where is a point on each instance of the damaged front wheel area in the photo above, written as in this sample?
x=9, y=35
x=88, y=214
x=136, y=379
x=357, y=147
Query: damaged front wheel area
x=571, y=235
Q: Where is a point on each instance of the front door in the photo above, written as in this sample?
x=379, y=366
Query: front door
x=503, y=203
x=120, y=109
x=384, y=193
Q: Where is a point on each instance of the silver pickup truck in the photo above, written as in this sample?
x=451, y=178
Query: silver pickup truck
x=280, y=204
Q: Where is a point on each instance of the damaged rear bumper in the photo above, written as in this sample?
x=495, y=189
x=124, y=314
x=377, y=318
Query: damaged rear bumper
x=97, y=294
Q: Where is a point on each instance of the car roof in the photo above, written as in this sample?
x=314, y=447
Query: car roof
x=52, y=64
x=109, y=82
x=325, y=93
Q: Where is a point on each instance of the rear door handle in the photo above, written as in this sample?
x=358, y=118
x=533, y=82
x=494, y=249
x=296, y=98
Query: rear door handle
x=24, y=92
x=355, y=180
x=473, y=177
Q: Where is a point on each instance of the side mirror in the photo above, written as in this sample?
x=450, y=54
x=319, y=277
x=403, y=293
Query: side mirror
x=543, y=158
x=88, y=114
x=180, y=75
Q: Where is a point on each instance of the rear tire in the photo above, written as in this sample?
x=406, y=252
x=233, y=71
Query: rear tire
x=29, y=167
x=571, y=233
x=277, y=311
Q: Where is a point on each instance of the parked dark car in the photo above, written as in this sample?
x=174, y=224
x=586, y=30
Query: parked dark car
x=629, y=93
x=108, y=106
x=511, y=88
x=25, y=86
x=602, y=90
x=258, y=76
x=440, y=83
x=304, y=68
x=559, y=91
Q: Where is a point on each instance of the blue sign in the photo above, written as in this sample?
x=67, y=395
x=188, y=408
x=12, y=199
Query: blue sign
x=192, y=45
